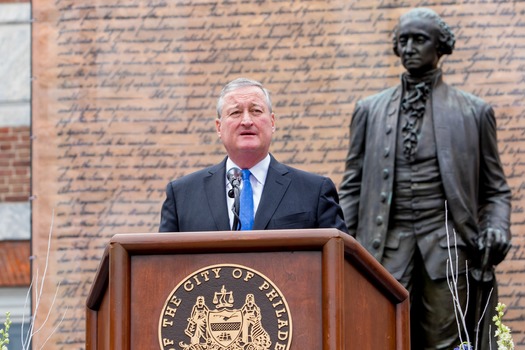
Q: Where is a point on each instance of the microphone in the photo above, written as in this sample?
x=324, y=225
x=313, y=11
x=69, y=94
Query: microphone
x=234, y=176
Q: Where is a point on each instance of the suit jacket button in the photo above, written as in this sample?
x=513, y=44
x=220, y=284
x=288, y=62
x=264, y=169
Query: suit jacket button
x=376, y=243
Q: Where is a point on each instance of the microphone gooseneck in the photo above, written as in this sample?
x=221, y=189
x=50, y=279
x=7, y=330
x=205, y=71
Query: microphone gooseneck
x=234, y=176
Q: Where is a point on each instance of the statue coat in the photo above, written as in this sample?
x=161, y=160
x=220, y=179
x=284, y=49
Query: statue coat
x=472, y=174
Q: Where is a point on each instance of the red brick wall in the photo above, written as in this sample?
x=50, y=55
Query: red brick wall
x=15, y=263
x=15, y=162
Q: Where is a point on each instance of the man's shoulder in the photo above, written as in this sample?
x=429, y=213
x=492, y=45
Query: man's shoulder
x=197, y=175
x=301, y=172
x=292, y=171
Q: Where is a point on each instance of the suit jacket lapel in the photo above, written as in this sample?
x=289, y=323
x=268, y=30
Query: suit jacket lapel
x=274, y=189
x=443, y=117
x=215, y=189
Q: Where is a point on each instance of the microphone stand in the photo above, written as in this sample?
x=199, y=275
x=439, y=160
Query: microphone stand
x=234, y=177
x=235, y=208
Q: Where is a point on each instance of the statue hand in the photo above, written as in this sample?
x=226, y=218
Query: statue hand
x=494, y=246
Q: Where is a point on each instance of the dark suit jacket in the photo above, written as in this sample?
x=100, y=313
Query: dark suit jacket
x=291, y=199
x=473, y=179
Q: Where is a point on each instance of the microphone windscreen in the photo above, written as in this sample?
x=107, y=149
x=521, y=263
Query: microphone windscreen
x=234, y=174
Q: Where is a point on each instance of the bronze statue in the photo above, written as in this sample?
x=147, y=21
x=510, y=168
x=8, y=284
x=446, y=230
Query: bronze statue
x=415, y=150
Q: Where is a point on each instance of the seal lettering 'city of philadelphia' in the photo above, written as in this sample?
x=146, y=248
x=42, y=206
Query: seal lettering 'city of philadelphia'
x=225, y=307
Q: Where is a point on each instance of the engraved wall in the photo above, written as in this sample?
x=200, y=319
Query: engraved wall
x=124, y=99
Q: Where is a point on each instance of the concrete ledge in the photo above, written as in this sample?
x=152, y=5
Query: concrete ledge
x=10, y=13
x=16, y=221
x=15, y=114
x=13, y=300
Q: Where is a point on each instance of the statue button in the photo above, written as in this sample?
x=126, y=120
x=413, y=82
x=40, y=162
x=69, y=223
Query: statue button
x=386, y=173
x=379, y=220
x=376, y=243
x=388, y=129
x=395, y=96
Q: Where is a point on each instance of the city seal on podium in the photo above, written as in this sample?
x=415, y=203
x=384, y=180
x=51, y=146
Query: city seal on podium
x=225, y=307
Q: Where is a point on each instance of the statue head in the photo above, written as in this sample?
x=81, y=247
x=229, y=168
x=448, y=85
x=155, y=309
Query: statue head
x=420, y=39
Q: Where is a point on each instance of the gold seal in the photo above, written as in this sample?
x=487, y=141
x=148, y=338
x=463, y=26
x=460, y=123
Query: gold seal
x=225, y=307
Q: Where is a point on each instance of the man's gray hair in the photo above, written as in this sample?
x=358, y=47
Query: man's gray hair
x=237, y=84
x=446, y=40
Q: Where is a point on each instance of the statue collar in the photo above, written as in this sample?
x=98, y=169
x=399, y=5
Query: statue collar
x=432, y=77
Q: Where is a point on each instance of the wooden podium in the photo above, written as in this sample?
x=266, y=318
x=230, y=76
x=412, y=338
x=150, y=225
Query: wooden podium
x=337, y=295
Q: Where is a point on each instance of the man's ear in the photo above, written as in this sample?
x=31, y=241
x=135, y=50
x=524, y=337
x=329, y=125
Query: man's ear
x=218, y=126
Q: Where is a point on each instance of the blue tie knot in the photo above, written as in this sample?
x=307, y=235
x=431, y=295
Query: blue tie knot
x=247, y=212
x=246, y=175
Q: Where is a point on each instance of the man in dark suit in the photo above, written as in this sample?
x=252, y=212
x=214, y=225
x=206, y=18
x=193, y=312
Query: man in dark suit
x=283, y=197
x=414, y=147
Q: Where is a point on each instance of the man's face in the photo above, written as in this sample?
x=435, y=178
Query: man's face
x=246, y=125
x=417, y=44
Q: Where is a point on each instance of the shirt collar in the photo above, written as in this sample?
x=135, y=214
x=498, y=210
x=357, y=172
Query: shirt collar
x=259, y=171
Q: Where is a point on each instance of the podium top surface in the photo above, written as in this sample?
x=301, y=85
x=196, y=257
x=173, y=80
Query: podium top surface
x=245, y=242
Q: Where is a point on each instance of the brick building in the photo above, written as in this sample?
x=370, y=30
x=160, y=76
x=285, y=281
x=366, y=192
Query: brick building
x=15, y=164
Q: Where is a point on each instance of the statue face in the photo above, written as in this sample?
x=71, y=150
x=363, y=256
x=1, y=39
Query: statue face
x=417, y=44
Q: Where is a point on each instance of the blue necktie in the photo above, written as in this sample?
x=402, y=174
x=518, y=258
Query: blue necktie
x=246, y=212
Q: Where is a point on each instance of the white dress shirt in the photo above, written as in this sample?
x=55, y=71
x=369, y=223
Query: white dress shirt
x=257, y=179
